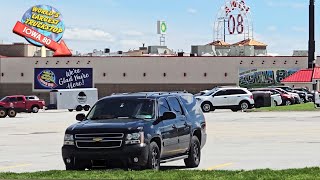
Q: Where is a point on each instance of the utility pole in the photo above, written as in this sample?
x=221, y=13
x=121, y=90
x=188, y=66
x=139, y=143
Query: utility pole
x=311, y=49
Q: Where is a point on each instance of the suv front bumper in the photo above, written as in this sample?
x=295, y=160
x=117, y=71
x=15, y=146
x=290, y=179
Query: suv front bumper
x=126, y=154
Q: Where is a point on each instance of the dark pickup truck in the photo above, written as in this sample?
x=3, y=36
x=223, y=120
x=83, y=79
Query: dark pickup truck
x=137, y=130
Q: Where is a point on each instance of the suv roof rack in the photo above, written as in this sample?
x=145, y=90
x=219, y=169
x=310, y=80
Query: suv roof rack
x=148, y=94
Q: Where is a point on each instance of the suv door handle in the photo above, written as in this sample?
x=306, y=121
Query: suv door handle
x=225, y=97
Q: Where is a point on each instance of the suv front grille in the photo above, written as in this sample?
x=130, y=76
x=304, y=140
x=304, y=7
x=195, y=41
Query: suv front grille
x=98, y=141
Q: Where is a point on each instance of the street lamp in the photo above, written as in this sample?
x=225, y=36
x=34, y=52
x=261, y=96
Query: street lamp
x=311, y=49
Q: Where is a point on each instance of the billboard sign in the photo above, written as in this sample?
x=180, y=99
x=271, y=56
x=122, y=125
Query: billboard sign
x=43, y=25
x=234, y=18
x=263, y=77
x=162, y=27
x=62, y=78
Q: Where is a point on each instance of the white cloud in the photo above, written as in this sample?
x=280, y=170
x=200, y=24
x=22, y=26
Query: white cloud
x=81, y=34
x=192, y=11
x=299, y=29
x=132, y=33
x=127, y=44
x=287, y=4
x=272, y=28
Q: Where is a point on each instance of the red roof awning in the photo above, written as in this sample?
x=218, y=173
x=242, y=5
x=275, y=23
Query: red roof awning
x=304, y=75
x=316, y=73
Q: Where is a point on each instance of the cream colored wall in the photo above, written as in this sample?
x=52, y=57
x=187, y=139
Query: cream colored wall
x=154, y=67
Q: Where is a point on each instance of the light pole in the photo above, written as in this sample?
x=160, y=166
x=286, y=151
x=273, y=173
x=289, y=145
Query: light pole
x=311, y=49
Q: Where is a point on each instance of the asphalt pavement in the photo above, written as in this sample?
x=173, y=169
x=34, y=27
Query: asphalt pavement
x=236, y=141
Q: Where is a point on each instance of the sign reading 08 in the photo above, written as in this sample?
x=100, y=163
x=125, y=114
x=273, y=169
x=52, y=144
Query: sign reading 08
x=62, y=78
x=236, y=21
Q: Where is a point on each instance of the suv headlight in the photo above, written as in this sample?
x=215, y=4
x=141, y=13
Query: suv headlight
x=68, y=139
x=135, y=138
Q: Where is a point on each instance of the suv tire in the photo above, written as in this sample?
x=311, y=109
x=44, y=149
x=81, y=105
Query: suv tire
x=12, y=113
x=153, y=157
x=35, y=109
x=3, y=113
x=244, y=105
x=206, y=107
x=193, y=160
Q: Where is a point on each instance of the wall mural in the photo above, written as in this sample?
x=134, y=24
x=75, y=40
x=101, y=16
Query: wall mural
x=263, y=77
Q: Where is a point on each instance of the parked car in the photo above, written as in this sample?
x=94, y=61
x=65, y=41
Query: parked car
x=140, y=129
x=275, y=95
x=302, y=95
x=310, y=95
x=287, y=98
x=233, y=98
x=22, y=104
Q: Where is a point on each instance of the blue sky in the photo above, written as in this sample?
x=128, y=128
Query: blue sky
x=124, y=24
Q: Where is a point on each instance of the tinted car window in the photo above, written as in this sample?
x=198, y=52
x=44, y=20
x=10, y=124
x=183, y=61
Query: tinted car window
x=123, y=108
x=175, y=105
x=5, y=99
x=12, y=99
x=235, y=92
x=220, y=93
x=163, y=106
x=19, y=98
x=191, y=104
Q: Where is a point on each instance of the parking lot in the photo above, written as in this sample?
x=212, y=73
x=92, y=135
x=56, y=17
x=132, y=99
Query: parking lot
x=32, y=142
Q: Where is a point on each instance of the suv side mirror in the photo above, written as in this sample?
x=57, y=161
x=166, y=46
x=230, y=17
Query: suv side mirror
x=168, y=115
x=80, y=117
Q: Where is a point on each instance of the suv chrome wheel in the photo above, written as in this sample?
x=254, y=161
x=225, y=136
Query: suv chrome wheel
x=35, y=109
x=206, y=107
x=244, y=106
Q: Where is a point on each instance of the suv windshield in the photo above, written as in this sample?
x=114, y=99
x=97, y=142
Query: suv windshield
x=120, y=108
x=5, y=99
x=209, y=93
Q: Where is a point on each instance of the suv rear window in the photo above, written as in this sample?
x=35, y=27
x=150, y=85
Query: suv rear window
x=235, y=92
x=175, y=105
x=191, y=105
x=163, y=106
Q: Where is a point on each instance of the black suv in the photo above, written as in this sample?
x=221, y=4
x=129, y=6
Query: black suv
x=137, y=130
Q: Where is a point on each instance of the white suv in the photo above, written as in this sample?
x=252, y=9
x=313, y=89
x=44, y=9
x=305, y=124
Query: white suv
x=226, y=98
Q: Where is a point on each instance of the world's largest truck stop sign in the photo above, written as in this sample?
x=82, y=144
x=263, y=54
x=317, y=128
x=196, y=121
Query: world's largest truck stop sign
x=43, y=25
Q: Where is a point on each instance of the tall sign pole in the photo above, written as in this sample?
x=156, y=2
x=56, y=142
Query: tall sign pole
x=311, y=51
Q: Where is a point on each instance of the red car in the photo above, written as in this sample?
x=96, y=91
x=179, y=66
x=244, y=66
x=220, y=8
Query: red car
x=22, y=103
